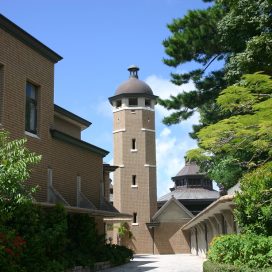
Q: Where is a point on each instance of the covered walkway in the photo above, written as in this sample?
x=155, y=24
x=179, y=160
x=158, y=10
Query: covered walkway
x=161, y=263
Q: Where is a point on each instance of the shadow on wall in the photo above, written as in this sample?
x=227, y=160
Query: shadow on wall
x=128, y=242
x=164, y=237
x=169, y=239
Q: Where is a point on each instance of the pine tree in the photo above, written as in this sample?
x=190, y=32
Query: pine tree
x=238, y=32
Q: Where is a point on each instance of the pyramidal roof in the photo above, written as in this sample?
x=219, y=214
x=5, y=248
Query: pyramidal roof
x=190, y=169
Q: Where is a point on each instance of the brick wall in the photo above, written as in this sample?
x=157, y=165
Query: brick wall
x=18, y=64
x=70, y=161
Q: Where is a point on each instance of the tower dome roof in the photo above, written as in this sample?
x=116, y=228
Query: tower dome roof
x=133, y=85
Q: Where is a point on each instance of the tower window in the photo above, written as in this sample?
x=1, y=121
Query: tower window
x=135, y=217
x=118, y=103
x=134, y=182
x=31, y=108
x=133, y=144
x=147, y=103
x=132, y=102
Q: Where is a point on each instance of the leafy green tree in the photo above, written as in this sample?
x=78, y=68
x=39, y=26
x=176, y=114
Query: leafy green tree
x=238, y=32
x=15, y=160
x=242, y=142
x=254, y=203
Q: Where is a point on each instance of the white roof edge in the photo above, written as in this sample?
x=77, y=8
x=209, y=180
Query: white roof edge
x=222, y=199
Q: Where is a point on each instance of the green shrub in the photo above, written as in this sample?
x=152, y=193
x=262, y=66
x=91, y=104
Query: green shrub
x=117, y=254
x=11, y=249
x=209, y=266
x=84, y=242
x=45, y=233
x=54, y=241
x=245, y=249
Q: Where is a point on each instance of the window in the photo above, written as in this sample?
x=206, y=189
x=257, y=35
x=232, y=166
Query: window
x=147, y=103
x=118, y=103
x=134, y=180
x=132, y=102
x=31, y=108
x=133, y=144
x=135, y=218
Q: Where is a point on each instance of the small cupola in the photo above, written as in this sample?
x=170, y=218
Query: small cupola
x=133, y=70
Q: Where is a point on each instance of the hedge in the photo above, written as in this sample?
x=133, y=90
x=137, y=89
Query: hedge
x=209, y=266
x=251, y=250
x=50, y=240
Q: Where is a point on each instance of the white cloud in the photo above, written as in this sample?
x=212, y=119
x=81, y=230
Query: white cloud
x=172, y=143
x=166, y=132
x=170, y=152
x=164, y=88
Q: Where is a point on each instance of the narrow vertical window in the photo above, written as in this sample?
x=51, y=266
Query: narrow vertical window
x=31, y=108
x=118, y=103
x=133, y=144
x=134, y=182
x=135, y=218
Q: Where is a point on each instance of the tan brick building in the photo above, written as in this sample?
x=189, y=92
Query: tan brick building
x=71, y=170
x=135, y=155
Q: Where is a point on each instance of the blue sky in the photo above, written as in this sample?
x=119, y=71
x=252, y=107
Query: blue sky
x=98, y=40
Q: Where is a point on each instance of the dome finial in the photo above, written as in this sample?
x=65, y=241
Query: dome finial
x=133, y=69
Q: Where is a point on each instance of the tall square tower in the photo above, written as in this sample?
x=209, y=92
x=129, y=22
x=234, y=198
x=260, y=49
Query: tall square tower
x=135, y=190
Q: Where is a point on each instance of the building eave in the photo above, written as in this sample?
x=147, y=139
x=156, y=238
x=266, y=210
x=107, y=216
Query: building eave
x=212, y=208
x=113, y=220
x=91, y=212
x=109, y=168
x=28, y=40
x=119, y=96
x=73, y=118
x=74, y=141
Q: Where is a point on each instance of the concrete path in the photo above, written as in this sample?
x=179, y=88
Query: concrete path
x=161, y=263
